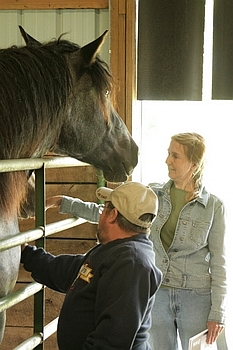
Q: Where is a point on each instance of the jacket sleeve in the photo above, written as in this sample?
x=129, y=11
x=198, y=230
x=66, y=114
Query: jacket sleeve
x=89, y=211
x=56, y=272
x=217, y=248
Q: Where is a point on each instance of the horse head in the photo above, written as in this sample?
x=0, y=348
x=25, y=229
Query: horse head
x=92, y=130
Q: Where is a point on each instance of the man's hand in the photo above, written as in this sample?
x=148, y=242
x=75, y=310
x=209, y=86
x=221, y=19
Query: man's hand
x=23, y=246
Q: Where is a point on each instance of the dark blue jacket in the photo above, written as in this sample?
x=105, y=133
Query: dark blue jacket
x=109, y=293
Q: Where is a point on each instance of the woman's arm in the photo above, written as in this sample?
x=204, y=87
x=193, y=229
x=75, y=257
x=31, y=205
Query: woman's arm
x=89, y=211
x=217, y=248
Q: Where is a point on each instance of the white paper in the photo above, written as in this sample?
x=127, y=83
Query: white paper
x=198, y=342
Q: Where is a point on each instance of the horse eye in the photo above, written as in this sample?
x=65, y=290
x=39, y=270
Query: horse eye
x=107, y=93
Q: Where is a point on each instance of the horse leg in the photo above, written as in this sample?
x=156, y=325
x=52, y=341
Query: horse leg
x=9, y=267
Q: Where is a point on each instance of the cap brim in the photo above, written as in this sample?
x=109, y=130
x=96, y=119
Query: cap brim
x=104, y=194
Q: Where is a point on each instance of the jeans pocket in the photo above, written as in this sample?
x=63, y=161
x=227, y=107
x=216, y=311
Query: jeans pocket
x=202, y=291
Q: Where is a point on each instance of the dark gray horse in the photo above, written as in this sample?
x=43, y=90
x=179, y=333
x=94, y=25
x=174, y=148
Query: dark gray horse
x=55, y=97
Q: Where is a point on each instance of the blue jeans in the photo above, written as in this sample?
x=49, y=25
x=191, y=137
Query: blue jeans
x=178, y=312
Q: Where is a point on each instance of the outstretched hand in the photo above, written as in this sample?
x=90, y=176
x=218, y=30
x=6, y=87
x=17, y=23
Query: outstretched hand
x=53, y=202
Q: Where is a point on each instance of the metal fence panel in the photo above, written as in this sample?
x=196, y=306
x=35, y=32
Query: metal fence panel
x=42, y=230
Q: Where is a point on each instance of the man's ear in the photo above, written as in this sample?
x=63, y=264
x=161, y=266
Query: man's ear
x=112, y=215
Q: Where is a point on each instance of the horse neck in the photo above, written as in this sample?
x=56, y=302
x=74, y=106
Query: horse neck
x=13, y=189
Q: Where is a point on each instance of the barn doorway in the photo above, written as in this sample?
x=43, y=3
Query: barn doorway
x=156, y=121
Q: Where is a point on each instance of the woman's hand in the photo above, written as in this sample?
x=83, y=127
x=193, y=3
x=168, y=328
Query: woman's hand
x=214, y=329
x=53, y=202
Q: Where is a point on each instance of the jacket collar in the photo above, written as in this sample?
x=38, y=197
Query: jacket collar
x=202, y=197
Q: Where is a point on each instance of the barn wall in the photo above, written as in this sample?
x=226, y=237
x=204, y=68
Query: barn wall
x=81, y=26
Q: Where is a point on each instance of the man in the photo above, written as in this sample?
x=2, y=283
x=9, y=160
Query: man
x=110, y=290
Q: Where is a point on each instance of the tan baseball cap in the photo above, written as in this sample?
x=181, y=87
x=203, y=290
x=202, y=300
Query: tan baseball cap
x=132, y=200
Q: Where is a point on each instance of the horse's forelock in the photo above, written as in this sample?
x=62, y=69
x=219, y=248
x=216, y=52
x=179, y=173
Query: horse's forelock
x=61, y=46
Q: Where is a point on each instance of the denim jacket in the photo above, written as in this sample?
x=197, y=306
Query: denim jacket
x=196, y=259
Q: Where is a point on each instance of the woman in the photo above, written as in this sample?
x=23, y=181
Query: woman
x=188, y=236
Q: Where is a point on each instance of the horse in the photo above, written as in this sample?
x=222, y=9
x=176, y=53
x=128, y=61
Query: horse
x=55, y=97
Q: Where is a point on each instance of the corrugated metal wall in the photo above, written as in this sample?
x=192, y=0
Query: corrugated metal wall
x=81, y=26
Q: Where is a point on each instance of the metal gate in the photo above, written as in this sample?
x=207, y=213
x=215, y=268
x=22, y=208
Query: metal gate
x=41, y=331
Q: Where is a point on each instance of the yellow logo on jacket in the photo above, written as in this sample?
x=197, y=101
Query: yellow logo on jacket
x=85, y=273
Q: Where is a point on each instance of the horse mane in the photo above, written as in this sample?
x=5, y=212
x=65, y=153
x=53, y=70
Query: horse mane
x=34, y=86
x=35, y=83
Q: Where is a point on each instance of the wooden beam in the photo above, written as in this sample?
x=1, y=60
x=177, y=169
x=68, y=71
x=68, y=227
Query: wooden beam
x=118, y=52
x=52, y=4
x=123, y=58
x=131, y=67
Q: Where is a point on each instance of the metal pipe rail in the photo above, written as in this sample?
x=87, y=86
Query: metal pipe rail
x=37, y=163
x=42, y=230
x=38, y=338
x=39, y=232
x=20, y=295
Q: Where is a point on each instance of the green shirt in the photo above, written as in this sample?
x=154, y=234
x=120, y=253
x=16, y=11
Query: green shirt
x=177, y=201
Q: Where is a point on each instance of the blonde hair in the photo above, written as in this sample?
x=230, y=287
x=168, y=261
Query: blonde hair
x=194, y=147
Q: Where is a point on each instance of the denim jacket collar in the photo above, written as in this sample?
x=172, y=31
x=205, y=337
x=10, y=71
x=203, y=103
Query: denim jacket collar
x=202, y=197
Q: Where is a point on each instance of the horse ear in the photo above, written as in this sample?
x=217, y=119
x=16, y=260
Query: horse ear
x=91, y=50
x=29, y=40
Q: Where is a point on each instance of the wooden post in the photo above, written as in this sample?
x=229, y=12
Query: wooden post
x=123, y=57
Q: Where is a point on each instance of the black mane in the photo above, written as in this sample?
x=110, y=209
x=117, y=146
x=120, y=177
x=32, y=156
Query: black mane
x=34, y=86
